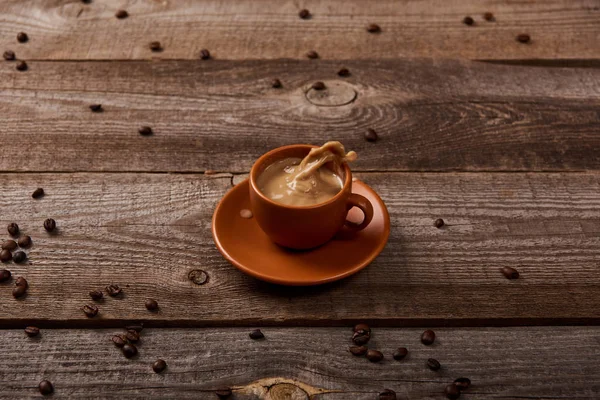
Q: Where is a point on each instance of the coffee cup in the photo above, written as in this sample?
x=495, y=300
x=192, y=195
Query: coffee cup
x=305, y=227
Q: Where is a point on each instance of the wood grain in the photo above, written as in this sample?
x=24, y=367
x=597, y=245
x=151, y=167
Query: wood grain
x=530, y=363
x=430, y=115
x=271, y=29
x=146, y=232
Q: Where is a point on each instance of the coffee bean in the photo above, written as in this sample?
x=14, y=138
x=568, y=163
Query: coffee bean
x=462, y=383
x=428, y=337
x=5, y=255
x=360, y=338
x=119, y=340
x=523, y=38
x=129, y=350
x=96, y=295
x=19, y=257
x=223, y=393
x=159, y=366
x=204, y=54
x=438, y=223
x=488, y=16
x=312, y=54
x=468, y=21
x=121, y=14
x=90, y=310
x=24, y=241
x=5, y=275
x=37, y=193
x=19, y=291
x=433, y=364
x=86, y=1
x=46, y=387
x=510, y=273
x=21, y=66
x=318, y=85
x=276, y=83
x=9, y=55
x=32, y=331
x=373, y=28
x=364, y=328
x=22, y=37
x=113, y=290
x=452, y=392
x=13, y=229
x=387, y=394
x=374, y=355
x=145, y=131
x=9, y=245
x=358, y=350
x=155, y=46
x=132, y=336
x=304, y=14
x=97, y=108
x=343, y=72
x=21, y=282
x=371, y=135
x=137, y=328
x=151, y=305
x=49, y=225
x=400, y=353
x=256, y=334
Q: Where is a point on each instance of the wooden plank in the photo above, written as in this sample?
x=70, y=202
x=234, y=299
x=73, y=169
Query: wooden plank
x=271, y=29
x=531, y=363
x=430, y=115
x=146, y=232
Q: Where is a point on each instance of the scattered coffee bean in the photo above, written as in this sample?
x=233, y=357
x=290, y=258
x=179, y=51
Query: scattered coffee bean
x=151, y=305
x=86, y=1
x=121, y=14
x=523, y=38
x=468, y=21
x=24, y=241
x=13, y=229
x=155, y=46
x=32, y=331
x=159, y=366
x=371, y=135
x=428, y=337
x=343, y=72
x=37, y=193
x=433, y=364
x=19, y=257
x=488, y=16
x=21, y=282
x=5, y=255
x=510, y=273
x=129, y=350
x=22, y=66
x=19, y=291
x=49, y=225
x=224, y=393
x=318, y=85
x=362, y=328
x=90, y=310
x=304, y=14
x=358, y=350
x=113, y=290
x=204, y=54
x=387, y=394
x=374, y=355
x=97, y=108
x=438, y=223
x=312, y=54
x=119, y=340
x=132, y=336
x=9, y=55
x=137, y=328
x=96, y=295
x=5, y=275
x=276, y=83
x=360, y=338
x=46, y=387
x=462, y=383
x=257, y=334
x=452, y=392
x=145, y=131
x=9, y=245
x=373, y=28
x=400, y=353
x=22, y=37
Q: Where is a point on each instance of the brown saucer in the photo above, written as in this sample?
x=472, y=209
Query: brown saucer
x=248, y=248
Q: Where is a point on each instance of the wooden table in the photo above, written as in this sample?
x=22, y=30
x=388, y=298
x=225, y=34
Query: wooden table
x=499, y=138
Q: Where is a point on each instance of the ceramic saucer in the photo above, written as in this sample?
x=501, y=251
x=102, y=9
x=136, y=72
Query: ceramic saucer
x=248, y=248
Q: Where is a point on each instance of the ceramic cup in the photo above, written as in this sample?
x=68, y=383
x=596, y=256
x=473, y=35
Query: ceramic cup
x=305, y=227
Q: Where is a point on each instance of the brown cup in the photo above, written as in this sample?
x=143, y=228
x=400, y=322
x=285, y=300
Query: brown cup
x=304, y=227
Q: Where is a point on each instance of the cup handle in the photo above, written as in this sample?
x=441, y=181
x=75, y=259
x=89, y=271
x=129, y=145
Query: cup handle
x=356, y=200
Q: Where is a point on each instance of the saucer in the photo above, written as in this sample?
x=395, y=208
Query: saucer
x=248, y=248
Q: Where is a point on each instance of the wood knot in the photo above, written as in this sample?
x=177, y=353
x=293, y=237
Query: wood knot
x=198, y=276
x=286, y=391
x=334, y=94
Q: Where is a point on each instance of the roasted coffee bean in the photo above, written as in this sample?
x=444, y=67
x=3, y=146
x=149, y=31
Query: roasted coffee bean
x=5, y=275
x=129, y=350
x=438, y=223
x=96, y=295
x=462, y=383
x=119, y=340
x=19, y=257
x=13, y=229
x=86, y=1
x=20, y=281
x=97, y=108
x=22, y=66
x=510, y=273
x=452, y=392
x=151, y=305
x=37, y=193
x=488, y=16
x=433, y=364
x=371, y=135
x=223, y=393
x=9, y=55
x=113, y=290
x=400, y=353
x=276, y=83
x=159, y=366
x=374, y=355
x=137, y=328
x=358, y=350
x=204, y=54
x=318, y=85
x=304, y=14
x=256, y=334
x=9, y=245
x=46, y=387
x=523, y=38
x=24, y=241
x=155, y=46
x=344, y=72
x=90, y=310
x=373, y=28
x=32, y=331
x=22, y=37
x=387, y=394
x=312, y=54
x=428, y=337
x=361, y=339
x=49, y=225
x=132, y=336
x=19, y=291
x=468, y=21
x=121, y=14
x=362, y=328
x=5, y=255
x=145, y=131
